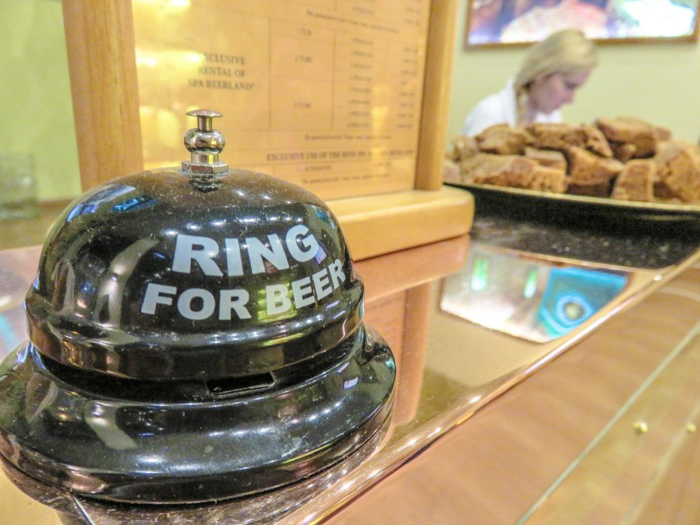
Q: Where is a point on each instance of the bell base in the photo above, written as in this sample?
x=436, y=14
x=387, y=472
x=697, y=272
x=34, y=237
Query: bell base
x=265, y=507
x=174, y=453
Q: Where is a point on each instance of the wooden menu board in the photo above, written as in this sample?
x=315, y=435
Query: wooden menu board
x=321, y=93
x=346, y=98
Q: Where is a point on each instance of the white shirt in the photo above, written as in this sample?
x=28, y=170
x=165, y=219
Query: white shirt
x=500, y=108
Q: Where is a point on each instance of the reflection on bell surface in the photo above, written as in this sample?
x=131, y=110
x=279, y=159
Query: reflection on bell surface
x=194, y=334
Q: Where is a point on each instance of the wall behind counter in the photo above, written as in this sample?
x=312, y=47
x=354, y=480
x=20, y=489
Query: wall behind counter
x=655, y=82
x=35, y=99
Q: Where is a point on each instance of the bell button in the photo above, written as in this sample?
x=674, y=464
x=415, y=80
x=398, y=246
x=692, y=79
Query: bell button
x=204, y=144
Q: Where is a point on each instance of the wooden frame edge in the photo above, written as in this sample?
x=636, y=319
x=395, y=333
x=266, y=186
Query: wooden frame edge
x=436, y=94
x=104, y=89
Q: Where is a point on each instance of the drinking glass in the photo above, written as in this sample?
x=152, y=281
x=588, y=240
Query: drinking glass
x=18, y=199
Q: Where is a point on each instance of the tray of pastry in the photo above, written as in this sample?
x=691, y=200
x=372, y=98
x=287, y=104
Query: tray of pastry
x=620, y=167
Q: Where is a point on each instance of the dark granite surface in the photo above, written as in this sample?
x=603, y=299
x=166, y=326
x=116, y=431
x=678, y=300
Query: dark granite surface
x=651, y=251
x=632, y=238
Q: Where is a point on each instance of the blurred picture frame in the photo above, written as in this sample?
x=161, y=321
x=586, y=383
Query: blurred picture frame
x=492, y=23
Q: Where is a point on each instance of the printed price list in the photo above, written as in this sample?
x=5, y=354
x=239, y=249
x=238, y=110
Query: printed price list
x=323, y=93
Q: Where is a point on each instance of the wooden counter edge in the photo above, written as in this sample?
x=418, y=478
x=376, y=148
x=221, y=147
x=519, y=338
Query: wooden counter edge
x=380, y=224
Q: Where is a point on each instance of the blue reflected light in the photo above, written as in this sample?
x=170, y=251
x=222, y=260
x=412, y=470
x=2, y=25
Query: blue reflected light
x=135, y=202
x=574, y=294
x=92, y=202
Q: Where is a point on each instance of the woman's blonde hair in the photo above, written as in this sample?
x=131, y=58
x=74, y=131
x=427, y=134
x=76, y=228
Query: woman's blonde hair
x=567, y=51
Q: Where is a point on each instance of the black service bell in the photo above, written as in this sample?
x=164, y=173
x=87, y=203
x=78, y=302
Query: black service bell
x=194, y=334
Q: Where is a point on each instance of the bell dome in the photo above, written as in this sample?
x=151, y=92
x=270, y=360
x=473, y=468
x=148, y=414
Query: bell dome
x=200, y=332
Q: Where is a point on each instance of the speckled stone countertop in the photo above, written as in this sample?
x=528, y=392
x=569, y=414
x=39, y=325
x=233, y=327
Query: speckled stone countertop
x=641, y=247
x=645, y=237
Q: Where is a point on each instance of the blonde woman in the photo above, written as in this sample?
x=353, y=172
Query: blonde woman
x=548, y=78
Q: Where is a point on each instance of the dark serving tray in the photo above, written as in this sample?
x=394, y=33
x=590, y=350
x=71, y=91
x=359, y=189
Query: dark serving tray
x=564, y=207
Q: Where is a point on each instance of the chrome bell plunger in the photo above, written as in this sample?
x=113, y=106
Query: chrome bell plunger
x=194, y=334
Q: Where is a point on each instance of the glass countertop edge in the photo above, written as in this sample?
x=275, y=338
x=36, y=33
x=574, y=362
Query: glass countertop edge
x=390, y=459
x=622, y=413
x=386, y=461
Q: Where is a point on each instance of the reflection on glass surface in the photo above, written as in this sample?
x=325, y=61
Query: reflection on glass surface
x=446, y=371
x=575, y=294
x=13, y=286
x=530, y=298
